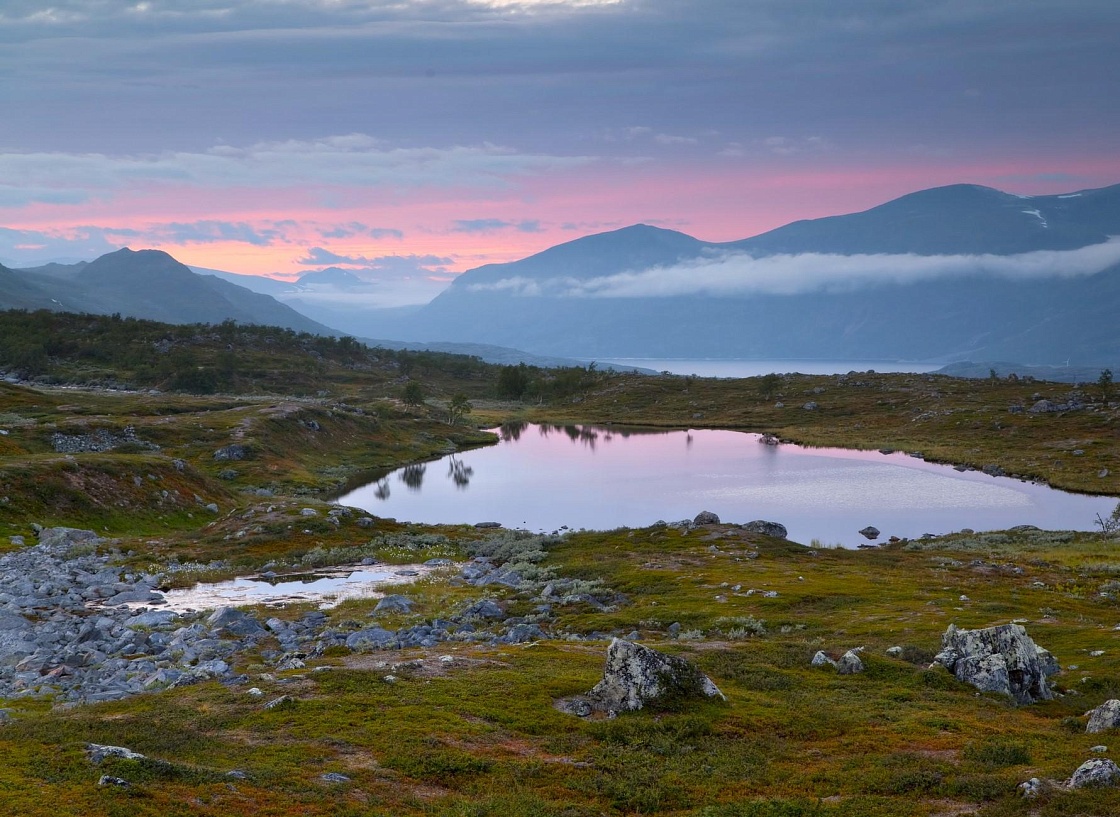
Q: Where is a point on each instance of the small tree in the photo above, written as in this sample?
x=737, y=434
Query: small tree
x=513, y=381
x=1104, y=383
x=458, y=408
x=768, y=385
x=1110, y=524
x=413, y=394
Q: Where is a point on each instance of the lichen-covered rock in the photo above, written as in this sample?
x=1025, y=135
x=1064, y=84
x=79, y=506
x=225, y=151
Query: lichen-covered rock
x=821, y=659
x=1099, y=771
x=635, y=676
x=232, y=452
x=97, y=752
x=705, y=518
x=1105, y=716
x=774, y=529
x=849, y=663
x=1000, y=659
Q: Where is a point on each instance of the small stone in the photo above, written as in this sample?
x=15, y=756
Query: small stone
x=109, y=780
x=894, y=652
x=334, y=777
x=1031, y=788
x=283, y=700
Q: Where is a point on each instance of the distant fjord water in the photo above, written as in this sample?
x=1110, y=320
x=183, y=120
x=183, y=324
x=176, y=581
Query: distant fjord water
x=734, y=367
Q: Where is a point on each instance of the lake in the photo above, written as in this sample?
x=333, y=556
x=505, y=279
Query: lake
x=542, y=477
x=728, y=367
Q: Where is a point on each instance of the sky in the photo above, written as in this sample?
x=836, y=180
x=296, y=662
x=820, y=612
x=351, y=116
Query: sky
x=409, y=140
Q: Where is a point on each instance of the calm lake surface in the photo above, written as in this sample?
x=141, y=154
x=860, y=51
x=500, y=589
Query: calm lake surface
x=725, y=367
x=541, y=478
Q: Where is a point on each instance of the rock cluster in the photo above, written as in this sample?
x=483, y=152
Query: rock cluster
x=636, y=675
x=849, y=664
x=999, y=659
x=97, y=441
x=66, y=629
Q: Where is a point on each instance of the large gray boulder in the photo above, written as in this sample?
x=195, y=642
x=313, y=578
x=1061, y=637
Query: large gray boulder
x=775, y=529
x=1000, y=659
x=1099, y=771
x=635, y=676
x=1105, y=716
x=706, y=518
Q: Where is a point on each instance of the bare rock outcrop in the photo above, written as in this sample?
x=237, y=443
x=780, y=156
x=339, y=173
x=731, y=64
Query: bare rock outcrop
x=635, y=676
x=999, y=659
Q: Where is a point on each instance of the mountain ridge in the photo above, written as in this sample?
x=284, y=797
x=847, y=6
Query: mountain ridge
x=968, y=313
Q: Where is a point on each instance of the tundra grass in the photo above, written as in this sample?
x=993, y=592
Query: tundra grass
x=479, y=734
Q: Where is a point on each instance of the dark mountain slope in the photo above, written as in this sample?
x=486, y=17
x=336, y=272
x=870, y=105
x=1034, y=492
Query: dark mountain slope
x=529, y=303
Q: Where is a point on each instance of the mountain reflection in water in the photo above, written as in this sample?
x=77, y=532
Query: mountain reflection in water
x=542, y=477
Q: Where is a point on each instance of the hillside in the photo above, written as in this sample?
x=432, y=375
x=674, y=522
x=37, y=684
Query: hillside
x=146, y=284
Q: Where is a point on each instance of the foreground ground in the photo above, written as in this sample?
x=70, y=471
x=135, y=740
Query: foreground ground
x=470, y=728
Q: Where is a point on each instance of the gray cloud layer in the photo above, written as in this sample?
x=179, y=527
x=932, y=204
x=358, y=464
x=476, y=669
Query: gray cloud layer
x=741, y=274
x=706, y=76
x=353, y=160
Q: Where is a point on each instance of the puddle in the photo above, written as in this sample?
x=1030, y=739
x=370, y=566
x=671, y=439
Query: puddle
x=325, y=587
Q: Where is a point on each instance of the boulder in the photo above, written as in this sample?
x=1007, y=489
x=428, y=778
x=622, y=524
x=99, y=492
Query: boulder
x=231, y=621
x=775, y=529
x=1105, y=716
x=394, y=604
x=849, y=663
x=821, y=659
x=705, y=518
x=636, y=675
x=231, y=452
x=1099, y=771
x=1000, y=659
x=870, y=532
x=97, y=752
x=373, y=638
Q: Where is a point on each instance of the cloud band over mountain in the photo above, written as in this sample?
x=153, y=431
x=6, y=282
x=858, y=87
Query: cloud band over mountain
x=738, y=273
